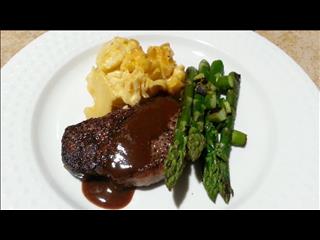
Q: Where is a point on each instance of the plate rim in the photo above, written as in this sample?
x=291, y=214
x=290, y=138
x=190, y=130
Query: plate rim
x=50, y=34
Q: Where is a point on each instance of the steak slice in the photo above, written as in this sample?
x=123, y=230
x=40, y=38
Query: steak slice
x=127, y=145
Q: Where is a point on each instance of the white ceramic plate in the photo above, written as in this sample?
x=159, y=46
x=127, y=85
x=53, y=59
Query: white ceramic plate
x=43, y=90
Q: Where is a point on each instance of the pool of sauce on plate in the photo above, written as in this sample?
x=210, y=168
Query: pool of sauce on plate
x=132, y=152
x=105, y=194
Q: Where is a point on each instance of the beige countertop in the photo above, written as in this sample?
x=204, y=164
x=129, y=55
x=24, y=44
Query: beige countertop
x=302, y=46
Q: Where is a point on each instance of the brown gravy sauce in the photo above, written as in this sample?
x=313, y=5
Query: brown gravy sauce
x=132, y=152
x=105, y=194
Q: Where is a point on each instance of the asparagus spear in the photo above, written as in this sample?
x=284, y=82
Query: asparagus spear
x=211, y=167
x=222, y=156
x=175, y=161
x=204, y=68
x=216, y=68
x=196, y=140
x=210, y=173
x=223, y=148
x=216, y=178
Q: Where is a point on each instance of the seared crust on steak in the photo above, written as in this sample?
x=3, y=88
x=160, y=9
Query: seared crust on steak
x=86, y=148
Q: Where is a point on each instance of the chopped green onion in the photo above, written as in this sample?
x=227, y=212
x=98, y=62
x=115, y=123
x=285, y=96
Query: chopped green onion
x=210, y=101
x=219, y=116
x=239, y=139
x=199, y=77
x=227, y=106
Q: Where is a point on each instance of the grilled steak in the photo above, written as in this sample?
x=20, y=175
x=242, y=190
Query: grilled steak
x=127, y=145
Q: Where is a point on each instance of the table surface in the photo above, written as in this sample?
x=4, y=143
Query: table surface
x=302, y=46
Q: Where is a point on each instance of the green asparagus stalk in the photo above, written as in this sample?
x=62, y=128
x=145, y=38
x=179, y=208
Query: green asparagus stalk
x=196, y=139
x=211, y=166
x=225, y=188
x=211, y=96
x=223, y=148
x=204, y=67
x=175, y=161
x=216, y=176
x=216, y=69
x=210, y=173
